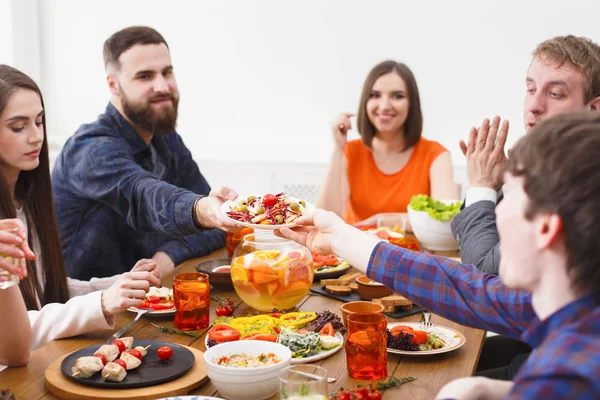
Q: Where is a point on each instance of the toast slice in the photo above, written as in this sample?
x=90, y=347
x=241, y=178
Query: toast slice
x=353, y=286
x=395, y=300
x=348, y=278
x=338, y=289
x=327, y=282
x=387, y=309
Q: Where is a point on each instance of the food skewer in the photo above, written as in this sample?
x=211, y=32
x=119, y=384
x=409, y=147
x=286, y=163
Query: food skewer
x=85, y=367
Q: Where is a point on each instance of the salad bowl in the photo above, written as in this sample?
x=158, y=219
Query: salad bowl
x=430, y=221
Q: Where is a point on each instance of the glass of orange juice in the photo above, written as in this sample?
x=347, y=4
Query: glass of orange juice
x=232, y=239
x=191, y=294
x=366, y=346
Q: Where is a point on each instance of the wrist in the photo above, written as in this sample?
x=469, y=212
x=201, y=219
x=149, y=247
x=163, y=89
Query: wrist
x=200, y=212
x=195, y=212
x=103, y=304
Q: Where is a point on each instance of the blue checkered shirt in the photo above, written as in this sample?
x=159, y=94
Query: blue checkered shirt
x=118, y=199
x=565, y=362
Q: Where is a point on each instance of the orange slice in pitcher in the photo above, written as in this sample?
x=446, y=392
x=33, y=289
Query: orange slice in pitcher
x=246, y=289
x=272, y=286
x=295, y=270
x=265, y=254
x=294, y=290
x=240, y=274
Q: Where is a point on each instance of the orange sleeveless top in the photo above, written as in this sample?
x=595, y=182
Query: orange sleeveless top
x=373, y=192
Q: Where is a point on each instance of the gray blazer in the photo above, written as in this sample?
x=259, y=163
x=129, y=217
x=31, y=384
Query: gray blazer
x=475, y=231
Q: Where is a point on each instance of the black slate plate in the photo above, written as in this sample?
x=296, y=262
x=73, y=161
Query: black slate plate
x=151, y=372
x=355, y=297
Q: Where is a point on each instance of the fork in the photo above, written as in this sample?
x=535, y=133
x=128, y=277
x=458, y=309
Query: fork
x=114, y=336
x=426, y=320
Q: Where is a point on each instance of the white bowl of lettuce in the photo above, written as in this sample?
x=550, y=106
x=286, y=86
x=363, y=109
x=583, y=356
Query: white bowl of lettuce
x=430, y=220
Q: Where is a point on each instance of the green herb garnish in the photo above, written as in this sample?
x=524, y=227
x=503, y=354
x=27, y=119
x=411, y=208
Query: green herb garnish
x=168, y=329
x=394, y=382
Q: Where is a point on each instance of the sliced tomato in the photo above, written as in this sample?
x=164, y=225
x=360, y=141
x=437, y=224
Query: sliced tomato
x=223, y=333
x=167, y=305
x=327, y=330
x=317, y=263
x=262, y=336
x=275, y=314
x=419, y=337
x=330, y=260
x=401, y=328
x=302, y=331
x=152, y=299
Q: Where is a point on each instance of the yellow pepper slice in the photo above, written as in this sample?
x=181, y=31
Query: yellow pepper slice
x=297, y=318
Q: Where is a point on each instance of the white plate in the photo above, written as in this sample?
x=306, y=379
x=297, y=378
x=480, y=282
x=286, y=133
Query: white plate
x=225, y=207
x=162, y=313
x=453, y=339
x=319, y=356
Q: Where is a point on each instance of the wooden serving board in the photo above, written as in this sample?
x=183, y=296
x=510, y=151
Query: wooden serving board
x=64, y=388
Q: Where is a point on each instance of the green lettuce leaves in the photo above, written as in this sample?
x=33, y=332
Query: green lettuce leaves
x=436, y=209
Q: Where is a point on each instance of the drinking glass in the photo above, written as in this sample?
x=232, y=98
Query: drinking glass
x=191, y=294
x=366, y=346
x=6, y=278
x=393, y=221
x=233, y=239
x=303, y=382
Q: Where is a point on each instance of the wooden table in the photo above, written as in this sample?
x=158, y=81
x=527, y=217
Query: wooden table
x=432, y=372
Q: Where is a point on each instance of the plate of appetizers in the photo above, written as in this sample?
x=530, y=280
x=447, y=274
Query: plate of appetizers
x=265, y=211
x=327, y=266
x=310, y=336
x=411, y=338
x=159, y=301
x=129, y=364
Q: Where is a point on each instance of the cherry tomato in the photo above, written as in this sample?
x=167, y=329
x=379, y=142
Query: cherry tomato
x=102, y=357
x=153, y=299
x=136, y=353
x=226, y=307
x=342, y=394
x=374, y=394
x=362, y=391
x=269, y=200
x=164, y=352
x=121, y=363
x=120, y=345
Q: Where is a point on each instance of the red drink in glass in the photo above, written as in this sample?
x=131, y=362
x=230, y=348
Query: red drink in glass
x=232, y=239
x=366, y=346
x=191, y=294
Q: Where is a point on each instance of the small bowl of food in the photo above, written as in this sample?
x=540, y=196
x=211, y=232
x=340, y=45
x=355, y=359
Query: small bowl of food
x=240, y=371
x=430, y=220
x=359, y=306
x=218, y=271
x=368, y=289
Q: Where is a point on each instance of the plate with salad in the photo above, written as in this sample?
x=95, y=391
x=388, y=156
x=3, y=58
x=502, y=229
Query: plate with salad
x=310, y=336
x=327, y=266
x=411, y=338
x=266, y=211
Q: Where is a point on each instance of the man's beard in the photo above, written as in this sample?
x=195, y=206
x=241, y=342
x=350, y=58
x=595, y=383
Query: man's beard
x=159, y=122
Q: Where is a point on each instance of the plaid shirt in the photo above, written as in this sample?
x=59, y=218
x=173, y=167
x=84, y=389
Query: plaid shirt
x=565, y=362
x=118, y=200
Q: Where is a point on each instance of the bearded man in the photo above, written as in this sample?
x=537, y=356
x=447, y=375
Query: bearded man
x=125, y=186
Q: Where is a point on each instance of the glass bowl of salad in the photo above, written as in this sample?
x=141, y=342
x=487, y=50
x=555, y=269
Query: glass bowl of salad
x=271, y=272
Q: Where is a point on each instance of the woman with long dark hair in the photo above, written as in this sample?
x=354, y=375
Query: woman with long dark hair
x=26, y=194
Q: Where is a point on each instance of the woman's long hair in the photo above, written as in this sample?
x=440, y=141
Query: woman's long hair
x=33, y=191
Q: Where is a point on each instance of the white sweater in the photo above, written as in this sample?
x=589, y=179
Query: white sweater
x=81, y=314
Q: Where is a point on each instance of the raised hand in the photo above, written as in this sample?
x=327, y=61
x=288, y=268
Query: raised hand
x=486, y=160
x=130, y=288
x=339, y=129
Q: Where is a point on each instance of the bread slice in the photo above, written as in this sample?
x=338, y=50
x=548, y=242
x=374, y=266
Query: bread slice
x=348, y=278
x=387, y=309
x=406, y=307
x=338, y=289
x=395, y=300
x=353, y=286
x=327, y=282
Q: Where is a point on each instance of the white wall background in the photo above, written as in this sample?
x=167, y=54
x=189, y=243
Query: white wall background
x=261, y=80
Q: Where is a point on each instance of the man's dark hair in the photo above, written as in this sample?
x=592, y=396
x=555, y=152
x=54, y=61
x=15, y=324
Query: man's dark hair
x=559, y=161
x=125, y=39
